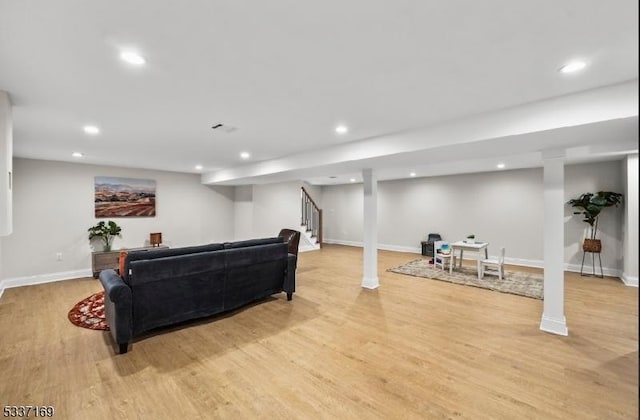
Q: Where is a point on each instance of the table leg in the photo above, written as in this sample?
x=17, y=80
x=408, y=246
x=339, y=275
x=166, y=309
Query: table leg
x=453, y=253
x=479, y=266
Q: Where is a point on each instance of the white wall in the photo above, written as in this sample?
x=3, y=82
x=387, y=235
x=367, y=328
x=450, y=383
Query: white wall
x=243, y=212
x=53, y=208
x=276, y=206
x=503, y=208
x=262, y=210
x=453, y=206
x=342, y=208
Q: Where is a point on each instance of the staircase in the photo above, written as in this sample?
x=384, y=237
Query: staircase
x=310, y=223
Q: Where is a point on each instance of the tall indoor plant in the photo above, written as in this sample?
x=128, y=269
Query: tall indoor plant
x=106, y=232
x=591, y=205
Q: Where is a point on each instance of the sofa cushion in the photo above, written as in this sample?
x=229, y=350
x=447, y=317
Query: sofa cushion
x=254, y=273
x=176, y=288
x=164, y=252
x=253, y=242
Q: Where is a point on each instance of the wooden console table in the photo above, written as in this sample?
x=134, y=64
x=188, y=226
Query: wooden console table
x=103, y=260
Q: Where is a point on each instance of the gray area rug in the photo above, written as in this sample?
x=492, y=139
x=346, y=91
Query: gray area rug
x=517, y=283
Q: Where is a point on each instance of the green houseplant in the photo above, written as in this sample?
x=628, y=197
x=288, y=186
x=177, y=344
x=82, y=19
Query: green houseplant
x=590, y=206
x=106, y=232
x=470, y=238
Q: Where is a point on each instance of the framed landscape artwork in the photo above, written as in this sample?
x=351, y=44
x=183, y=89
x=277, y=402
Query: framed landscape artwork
x=124, y=197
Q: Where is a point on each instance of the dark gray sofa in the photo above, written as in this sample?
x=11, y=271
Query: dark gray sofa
x=168, y=286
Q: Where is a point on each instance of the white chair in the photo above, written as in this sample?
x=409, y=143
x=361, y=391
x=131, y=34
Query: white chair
x=494, y=264
x=442, y=254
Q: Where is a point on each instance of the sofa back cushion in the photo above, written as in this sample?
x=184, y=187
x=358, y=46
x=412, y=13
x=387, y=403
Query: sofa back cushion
x=176, y=288
x=162, y=253
x=253, y=242
x=254, y=273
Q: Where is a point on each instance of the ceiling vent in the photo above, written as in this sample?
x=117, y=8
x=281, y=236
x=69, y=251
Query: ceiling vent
x=224, y=128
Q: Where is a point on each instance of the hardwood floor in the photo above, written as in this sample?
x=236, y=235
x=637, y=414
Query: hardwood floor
x=414, y=348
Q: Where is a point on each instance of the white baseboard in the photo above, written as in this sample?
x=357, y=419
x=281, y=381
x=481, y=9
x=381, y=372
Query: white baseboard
x=554, y=326
x=341, y=242
x=629, y=280
x=370, y=283
x=43, y=278
x=612, y=272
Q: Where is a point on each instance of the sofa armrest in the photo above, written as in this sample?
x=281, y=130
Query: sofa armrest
x=290, y=277
x=117, y=306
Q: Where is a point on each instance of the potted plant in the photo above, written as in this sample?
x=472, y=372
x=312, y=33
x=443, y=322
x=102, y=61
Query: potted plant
x=106, y=232
x=591, y=205
x=470, y=239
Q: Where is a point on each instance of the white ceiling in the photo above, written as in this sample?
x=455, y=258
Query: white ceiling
x=285, y=73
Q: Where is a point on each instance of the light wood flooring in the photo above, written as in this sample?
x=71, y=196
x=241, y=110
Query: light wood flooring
x=414, y=348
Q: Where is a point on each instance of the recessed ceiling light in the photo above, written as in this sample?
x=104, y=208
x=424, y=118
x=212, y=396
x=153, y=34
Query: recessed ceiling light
x=342, y=129
x=91, y=129
x=245, y=155
x=77, y=154
x=352, y=180
x=572, y=67
x=132, y=57
x=500, y=165
x=412, y=174
x=198, y=167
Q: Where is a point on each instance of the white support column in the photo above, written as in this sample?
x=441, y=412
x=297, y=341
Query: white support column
x=553, y=319
x=6, y=165
x=370, y=230
x=630, y=243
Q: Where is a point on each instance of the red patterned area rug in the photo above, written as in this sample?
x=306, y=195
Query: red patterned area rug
x=89, y=313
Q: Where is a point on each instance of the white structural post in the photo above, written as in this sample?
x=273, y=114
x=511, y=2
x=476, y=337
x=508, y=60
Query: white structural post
x=553, y=319
x=6, y=165
x=630, y=243
x=370, y=230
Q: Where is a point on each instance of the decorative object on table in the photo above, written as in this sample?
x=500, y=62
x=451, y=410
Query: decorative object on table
x=516, y=283
x=155, y=239
x=470, y=239
x=124, y=197
x=591, y=205
x=89, y=313
x=105, y=232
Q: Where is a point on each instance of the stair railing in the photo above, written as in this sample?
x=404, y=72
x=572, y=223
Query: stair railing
x=311, y=216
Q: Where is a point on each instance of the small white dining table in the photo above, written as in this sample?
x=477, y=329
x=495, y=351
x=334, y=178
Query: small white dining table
x=476, y=247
